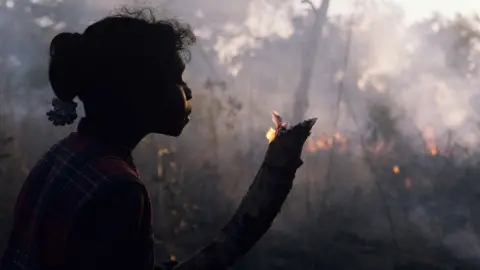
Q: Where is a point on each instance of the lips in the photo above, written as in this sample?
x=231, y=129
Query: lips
x=188, y=106
x=188, y=111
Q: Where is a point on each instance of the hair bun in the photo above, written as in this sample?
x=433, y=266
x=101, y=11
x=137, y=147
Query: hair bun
x=65, y=58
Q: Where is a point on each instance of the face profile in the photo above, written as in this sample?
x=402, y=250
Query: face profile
x=167, y=110
x=125, y=79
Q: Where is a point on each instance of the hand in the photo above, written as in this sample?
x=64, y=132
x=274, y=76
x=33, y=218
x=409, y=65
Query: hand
x=286, y=148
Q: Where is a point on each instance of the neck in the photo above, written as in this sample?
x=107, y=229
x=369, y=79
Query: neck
x=116, y=135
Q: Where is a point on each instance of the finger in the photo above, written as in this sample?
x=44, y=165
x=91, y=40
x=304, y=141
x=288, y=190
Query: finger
x=277, y=120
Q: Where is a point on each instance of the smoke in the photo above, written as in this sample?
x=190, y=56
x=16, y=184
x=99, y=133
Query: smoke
x=464, y=244
x=396, y=59
x=413, y=66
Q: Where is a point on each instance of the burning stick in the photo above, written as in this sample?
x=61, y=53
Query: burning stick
x=278, y=123
x=262, y=202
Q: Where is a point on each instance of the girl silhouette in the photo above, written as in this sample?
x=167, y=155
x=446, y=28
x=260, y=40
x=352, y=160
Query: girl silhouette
x=83, y=205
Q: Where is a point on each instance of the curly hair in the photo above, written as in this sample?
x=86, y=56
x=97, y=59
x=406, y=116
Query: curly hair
x=129, y=51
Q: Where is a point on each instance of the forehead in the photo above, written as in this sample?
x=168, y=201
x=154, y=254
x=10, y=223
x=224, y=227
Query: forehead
x=178, y=62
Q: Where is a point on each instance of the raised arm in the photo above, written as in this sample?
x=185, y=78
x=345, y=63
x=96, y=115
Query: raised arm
x=260, y=205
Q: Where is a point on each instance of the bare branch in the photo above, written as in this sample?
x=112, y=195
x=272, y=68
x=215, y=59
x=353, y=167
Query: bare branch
x=301, y=101
x=312, y=6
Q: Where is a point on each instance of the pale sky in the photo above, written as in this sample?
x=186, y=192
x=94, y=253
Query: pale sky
x=415, y=9
x=418, y=9
x=421, y=8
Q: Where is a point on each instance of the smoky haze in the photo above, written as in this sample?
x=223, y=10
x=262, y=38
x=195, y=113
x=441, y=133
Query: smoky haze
x=391, y=168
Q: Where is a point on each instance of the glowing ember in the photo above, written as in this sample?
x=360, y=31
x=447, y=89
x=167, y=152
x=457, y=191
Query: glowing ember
x=270, y=135
x=278, y=122
x=311, y=147
x=173, y=258
x=396, y=169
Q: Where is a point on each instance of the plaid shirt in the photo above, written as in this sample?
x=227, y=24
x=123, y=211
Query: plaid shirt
x=53, y=200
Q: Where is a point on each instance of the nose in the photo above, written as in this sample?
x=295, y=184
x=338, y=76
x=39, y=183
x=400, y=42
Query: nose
x=188, y=92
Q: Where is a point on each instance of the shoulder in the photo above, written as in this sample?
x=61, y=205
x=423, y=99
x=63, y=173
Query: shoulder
x=115, y=167
x=122, y=195
x=85, y=153
x=120, y=180
x=123, y=184
x=92, y=168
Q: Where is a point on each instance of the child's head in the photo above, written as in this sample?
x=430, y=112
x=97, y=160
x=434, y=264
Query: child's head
x=127, y=70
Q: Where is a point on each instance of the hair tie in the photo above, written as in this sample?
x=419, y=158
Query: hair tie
x=63, y=113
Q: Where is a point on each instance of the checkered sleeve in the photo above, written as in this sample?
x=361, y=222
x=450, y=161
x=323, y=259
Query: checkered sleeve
x=110, y=231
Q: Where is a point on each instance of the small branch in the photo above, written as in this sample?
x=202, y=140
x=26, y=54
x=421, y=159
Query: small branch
x=312, y=6
x=448, y=145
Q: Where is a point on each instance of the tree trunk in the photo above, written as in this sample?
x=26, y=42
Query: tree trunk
x=301, y=103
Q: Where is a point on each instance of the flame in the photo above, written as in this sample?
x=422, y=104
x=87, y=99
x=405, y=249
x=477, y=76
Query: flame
x=173, y=258
x=430, y=140
x=341, y=141
x=380, y=145
x=324, y=143
x=311, y=145
x=321, y=143
x=396, y=169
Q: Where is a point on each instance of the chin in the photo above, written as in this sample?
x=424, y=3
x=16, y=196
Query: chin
x=172, y=132
x=175, y=133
